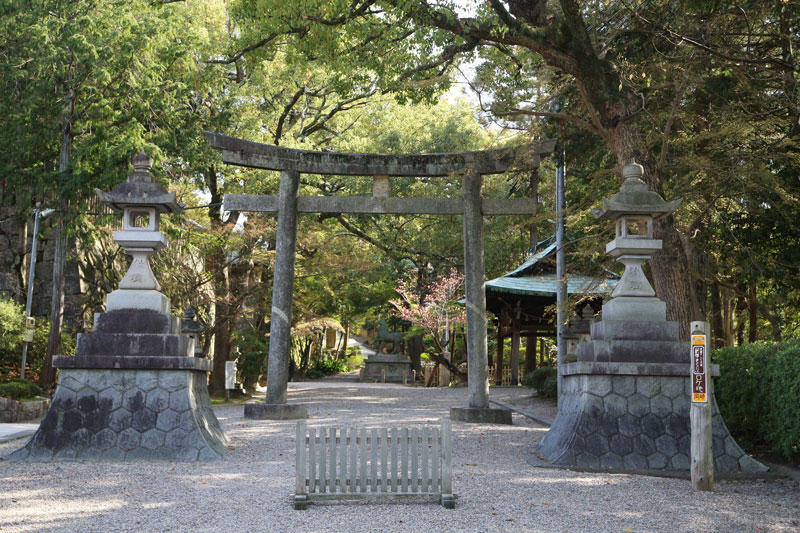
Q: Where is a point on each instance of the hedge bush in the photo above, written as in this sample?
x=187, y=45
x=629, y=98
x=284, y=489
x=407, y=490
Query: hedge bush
x=758, y=393
x=326, y=367
x=544, y=380
x=17, y=389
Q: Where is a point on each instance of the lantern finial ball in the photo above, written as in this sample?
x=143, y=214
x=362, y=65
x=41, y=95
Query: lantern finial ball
x=633, y=170
x=142, y=161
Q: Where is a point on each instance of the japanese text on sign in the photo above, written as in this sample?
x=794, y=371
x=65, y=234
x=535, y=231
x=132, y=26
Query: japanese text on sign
x=699, y=377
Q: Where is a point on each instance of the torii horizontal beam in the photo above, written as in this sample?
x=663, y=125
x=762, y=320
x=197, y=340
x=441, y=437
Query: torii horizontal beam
x=257, y=155
x=392, y=205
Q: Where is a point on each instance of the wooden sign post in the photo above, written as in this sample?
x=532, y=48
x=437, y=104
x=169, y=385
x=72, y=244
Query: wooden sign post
x=702, y=467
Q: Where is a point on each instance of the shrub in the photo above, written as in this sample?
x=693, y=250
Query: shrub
x=537, y=378
x=326, y=367
x=758, y=393
x=252, y=361
x=12, y=320
x=549, y=388
x=17, y=389
x=354, y=359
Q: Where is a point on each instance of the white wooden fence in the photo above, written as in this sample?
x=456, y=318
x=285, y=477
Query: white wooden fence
x=386, y=463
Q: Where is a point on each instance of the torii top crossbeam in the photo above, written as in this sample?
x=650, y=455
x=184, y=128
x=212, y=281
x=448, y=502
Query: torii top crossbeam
x=257, y=155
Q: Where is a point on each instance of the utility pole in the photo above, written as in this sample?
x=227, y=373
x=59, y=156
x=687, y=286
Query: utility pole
x=38, y=214
x=561, y=294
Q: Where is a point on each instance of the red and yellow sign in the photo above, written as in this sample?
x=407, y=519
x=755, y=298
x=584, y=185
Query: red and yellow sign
x=699, y=371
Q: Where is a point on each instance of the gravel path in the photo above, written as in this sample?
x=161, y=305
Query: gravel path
x=252, y=488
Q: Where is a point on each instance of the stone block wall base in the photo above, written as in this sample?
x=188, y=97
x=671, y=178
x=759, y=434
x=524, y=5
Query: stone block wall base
x=12, y=411
x=480, y=415
x=275, y=411
x=629, y=423
x=127, y=415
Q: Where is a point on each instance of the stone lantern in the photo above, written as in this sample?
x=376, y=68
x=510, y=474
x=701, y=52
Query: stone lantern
x=193, y=329
x=141, y=202
x=634, y=208
x=624, y=404
x=135, y=388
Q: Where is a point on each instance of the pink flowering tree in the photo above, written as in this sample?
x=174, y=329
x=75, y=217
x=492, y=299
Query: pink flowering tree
x=435, y=308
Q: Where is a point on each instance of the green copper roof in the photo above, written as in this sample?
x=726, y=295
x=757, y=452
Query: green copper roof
x=547, y=285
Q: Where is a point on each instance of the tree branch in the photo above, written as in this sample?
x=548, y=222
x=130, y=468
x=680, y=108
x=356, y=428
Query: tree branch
x=238, y=55
x=561, y=116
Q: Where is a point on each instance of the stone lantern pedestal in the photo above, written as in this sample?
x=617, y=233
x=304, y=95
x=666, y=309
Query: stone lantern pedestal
x=134, y=390
x=625, y=401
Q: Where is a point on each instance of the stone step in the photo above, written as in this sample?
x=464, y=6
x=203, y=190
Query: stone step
x=634, y=351
x=135, y=321
x=635, y=330
x=135, y=344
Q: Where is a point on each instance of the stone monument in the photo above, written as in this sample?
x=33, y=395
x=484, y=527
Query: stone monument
x=390, y=367
x=625, y=403
x=134, y=390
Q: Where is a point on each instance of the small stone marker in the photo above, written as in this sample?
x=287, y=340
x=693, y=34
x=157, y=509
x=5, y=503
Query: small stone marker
x=230, y=378
x=702, y=466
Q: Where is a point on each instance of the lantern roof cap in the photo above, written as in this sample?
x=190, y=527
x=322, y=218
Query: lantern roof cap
x=140, y=190
x=189, y=324
x=635, y=197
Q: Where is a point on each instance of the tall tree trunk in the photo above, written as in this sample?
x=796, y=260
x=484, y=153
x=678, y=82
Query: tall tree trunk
x=719, y=339
x=47, y=378
x=739, y=312
x=752, y=311
x=217, y=265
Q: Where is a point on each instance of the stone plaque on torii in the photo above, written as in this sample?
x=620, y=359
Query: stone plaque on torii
x=471, y=166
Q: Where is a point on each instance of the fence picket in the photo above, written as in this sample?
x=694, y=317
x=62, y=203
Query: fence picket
x=332, y=462
x=447, y=482
x=353, y=460
x=436, y=462
x=384, y=456
x=300, y=457
x=362, y=486
x=424, y=470
x=404, y=458
x=312, y=460
x=374, y=460
x=394, y=460
x=414, y=459
x=323, y=460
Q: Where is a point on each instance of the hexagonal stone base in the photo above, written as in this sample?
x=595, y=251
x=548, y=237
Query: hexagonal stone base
x=633, y=423
x=123, y=415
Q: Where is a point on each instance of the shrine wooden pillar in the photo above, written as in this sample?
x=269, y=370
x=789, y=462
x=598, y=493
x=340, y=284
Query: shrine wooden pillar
x=530, y=354
x=515, y=342
x=498, y=367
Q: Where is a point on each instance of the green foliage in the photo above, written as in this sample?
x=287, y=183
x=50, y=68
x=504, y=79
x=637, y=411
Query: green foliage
x=12, y=319
x=19, y=389
x=326, y=367
x=353, y=360
x=543, y=380
x=253, y=352
x=758, y=393
x=549, y=388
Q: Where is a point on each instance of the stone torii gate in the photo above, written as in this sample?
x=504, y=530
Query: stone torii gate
x=290, y=162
